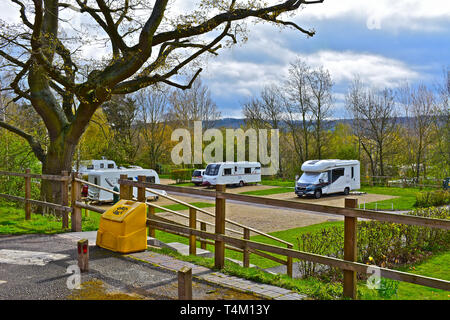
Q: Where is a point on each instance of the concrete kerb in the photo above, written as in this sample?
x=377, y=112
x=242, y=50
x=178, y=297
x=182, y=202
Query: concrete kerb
x=209, y=276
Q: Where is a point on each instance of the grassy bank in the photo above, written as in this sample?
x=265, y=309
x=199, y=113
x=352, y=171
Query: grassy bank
x=406, y=197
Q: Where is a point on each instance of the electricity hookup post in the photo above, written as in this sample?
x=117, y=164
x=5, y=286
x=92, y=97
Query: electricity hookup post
x=83, y=255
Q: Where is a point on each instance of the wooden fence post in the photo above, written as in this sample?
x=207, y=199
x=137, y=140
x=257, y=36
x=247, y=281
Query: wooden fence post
x=150, y=214
x=76, y=211
x=141, y=190
x=289, y=263
x=27, y=195
x=350, y=249
x=246, y=254
x=185, y=283
x=192, y=225
x=219, y=253
x=65, y=199
x=203, y=228
x=125, y=189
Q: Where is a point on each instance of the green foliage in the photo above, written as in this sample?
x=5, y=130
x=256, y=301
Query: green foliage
x=181, y=175
x=388, y=288
x=432, y=198
x=270, y=191
x=384, y=244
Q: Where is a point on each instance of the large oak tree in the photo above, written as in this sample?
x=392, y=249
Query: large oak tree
x=45, y=57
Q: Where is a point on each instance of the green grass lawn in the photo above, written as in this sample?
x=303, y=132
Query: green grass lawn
x=437, y=266
x=12, y=220
x=278, y=182
x=270, y=191
x=405, y=201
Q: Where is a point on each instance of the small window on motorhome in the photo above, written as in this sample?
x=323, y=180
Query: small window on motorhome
x=95, y=181
x=130, y=178
x=227, y=171
x=235, y=169
x=90, y=167
x=102, y=165
x=111, y=166
x=337, y=173
x=150, y=179
x=248, y=170
x=353, y=172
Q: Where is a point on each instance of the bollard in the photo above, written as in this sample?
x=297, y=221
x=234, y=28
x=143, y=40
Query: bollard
x=185, y=283
x=83, y=255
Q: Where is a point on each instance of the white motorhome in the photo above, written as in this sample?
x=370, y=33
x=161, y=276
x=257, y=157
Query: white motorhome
x=328, y=176
x=108, y=178
x=232, y=173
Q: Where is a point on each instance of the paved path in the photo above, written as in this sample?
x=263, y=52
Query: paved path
x=36, y=267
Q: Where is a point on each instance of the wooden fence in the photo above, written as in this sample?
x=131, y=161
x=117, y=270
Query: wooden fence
x=243, y=244
x=350, y=213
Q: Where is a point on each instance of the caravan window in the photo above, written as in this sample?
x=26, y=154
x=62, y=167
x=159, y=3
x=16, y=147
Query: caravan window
x=212, y=169
x=90, y=167
x=353, y=172
x=111, y=166
x=227, y=171
x=150, y=179
x=102, y=165
x=336, y=173
x=248, y=170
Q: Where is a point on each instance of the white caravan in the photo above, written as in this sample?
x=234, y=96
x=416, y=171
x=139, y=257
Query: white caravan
x=87, y=166
x=232, y=173
x=108, y=178
x=328, y=176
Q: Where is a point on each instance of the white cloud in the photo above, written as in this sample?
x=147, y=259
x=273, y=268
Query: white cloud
x=380, y=14
x=227, y=76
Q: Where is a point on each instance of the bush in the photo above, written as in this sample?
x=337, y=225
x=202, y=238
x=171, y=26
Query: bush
x=380, y=243
x=432, y=198
x=181, y=175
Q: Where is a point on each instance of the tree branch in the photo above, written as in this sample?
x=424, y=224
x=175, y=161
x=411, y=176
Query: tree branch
x=34, y=144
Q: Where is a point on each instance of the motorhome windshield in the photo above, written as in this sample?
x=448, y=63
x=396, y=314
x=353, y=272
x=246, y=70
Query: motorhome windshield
x=212, y=169
x=310, y=177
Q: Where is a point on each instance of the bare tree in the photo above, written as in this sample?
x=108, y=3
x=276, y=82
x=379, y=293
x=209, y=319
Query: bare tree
x=298, y=107
x=420, y=111
x=144, y=45
x=191, y=105
x=374, y=121
x=321, y=101
x=153, y=108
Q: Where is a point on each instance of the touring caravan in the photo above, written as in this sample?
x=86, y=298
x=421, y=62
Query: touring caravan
x=87, y=166
x=108, y=178
x=328, y=176
x=232, y=173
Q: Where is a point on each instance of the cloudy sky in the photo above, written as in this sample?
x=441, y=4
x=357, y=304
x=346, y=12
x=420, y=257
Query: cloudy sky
x=384, y=42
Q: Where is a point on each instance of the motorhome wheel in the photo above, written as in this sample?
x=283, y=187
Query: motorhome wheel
x=317, y=193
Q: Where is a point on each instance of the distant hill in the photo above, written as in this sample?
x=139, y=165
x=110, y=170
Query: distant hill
x=235, y=123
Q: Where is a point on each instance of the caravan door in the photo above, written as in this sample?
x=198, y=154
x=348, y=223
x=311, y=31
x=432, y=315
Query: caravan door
x=337, y=180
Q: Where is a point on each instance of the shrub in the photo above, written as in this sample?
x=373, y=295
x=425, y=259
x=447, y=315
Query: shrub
x=181, y=175
x=384, y=244
x=432, y=198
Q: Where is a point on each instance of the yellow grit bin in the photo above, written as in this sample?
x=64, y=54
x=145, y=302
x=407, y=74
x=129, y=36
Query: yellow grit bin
x=123, y=227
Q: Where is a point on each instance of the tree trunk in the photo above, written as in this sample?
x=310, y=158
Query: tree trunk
x=59, y=158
